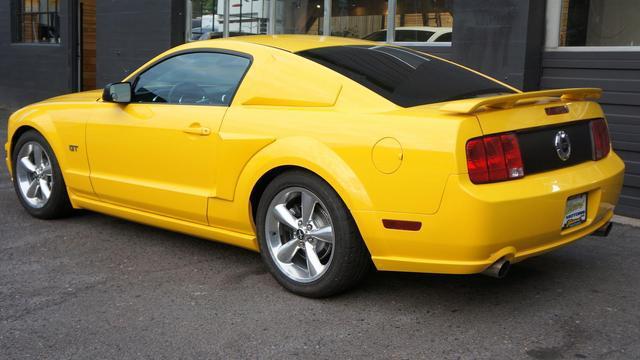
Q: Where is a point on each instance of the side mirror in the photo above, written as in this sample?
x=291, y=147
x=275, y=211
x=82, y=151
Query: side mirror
x=117, y=93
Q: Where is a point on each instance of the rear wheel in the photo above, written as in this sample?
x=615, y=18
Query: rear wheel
x=308, y=238
x=37, y=178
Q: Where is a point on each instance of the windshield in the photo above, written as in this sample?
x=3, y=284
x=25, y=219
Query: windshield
x=405, y=77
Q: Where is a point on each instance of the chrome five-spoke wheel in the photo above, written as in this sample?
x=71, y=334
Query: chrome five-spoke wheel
x=308, y=238
x=299, y=234
x=34, y=174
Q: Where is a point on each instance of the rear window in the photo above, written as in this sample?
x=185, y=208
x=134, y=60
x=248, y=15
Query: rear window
x=405, y=77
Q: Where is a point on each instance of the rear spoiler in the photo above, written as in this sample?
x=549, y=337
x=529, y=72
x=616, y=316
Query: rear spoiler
x=470, y=106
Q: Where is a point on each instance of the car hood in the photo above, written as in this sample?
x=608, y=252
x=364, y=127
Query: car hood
x=85, y=96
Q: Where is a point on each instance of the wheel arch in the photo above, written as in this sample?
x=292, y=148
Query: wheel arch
x=264, y=181
x=25, y=127
x=276, y=158
x=18, y=133
x=260, y=186
x=319, y=160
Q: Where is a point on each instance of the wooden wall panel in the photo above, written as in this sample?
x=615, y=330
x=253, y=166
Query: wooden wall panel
x=88, y=44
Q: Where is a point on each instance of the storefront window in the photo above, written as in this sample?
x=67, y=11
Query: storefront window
x=427, y=22
x=36, y=21
x=358, y=19
x=206, y=19
x=299, y=17
x=247, y=17
x=600, y=23
x=424, y=21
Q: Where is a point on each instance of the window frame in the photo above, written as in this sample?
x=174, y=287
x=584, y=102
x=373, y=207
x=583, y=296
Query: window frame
x=326, y=26
x=552, y=34
x=135, y=77
x=16, y=11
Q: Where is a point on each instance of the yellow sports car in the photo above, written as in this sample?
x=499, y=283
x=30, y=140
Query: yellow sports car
x=326, y=155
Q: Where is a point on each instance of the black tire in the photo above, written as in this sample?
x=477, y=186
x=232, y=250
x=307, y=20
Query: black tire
x=351, y=260
x=58, y=204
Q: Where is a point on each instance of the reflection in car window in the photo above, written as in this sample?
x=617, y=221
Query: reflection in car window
x=377, y=36
x=402, y=36
x=413, y=35
x=403, y=76
x=203, y=78
x=446, y=37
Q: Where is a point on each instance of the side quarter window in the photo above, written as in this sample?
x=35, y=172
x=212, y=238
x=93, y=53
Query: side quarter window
x=199, y=78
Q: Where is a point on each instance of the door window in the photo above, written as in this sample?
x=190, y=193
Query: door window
x=203, y=78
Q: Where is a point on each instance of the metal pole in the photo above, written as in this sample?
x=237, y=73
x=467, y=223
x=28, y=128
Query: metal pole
x=227, y=14
x=391, y=21
x=554, y=13
x=326, y=25
x=187, y=24
x=271, y=30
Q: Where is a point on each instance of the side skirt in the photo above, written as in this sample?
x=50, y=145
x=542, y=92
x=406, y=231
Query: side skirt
x=202, y=231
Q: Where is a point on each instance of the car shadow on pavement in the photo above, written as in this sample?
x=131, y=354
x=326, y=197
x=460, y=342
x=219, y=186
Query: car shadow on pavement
x=96, y=244
x=524, y=281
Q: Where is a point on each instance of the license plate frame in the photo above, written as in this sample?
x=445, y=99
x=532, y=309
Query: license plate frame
x=575, y=211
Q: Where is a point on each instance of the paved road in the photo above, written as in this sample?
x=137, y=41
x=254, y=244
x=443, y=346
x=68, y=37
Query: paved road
x=94, y=287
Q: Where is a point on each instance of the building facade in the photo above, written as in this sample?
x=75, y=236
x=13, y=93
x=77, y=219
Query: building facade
x=51, y=47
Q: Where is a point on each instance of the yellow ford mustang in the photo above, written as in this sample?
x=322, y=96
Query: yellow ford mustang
x=325, y=155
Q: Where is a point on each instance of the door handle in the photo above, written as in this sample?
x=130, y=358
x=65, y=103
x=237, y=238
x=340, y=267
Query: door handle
x=197, y=130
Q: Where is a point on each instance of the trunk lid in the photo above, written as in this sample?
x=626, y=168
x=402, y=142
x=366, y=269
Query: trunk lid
x=539, y=119
x=528, y=110
x=536, y=113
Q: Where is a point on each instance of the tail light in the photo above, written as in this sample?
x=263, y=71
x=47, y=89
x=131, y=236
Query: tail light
x=494, y=158
x=600, y=139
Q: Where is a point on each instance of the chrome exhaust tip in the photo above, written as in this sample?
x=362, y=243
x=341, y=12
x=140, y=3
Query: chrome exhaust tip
x=499, y=269
x=604, y=230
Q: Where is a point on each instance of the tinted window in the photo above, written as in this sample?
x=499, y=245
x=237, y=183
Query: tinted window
x=197, y=78
x=377, y=36
x=446, y=37
x=413, y=35
x=405, y=77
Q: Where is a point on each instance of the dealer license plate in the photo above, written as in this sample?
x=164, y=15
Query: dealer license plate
x=576, y=211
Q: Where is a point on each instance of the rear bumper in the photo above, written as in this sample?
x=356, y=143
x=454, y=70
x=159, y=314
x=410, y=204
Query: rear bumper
x=479, y=224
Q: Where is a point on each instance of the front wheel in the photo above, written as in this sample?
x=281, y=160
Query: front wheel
x=308, y=238
x=37, y=178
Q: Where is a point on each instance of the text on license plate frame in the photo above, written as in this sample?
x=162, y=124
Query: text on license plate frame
x=575, y=212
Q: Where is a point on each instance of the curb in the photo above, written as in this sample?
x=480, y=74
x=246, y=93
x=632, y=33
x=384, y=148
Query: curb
x=626, y=220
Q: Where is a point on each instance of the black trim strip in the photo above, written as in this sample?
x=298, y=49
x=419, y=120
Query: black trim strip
x=538, y=150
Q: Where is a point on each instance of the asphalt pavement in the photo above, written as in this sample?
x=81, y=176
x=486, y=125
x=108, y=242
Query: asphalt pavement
x=96, y=287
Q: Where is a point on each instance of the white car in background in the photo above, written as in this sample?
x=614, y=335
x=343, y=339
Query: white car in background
x=421, y=34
